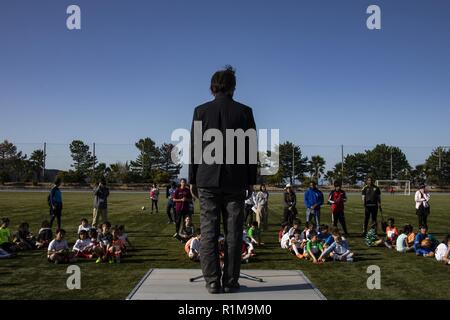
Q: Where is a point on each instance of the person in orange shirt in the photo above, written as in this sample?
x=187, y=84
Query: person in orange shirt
x=391, y=234
x=115, y=249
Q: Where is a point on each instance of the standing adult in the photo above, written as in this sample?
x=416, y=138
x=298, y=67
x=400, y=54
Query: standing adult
x=262, y=207
x=55, y=203
x=170, y=209
x=250, y=200
x=313, y=202
x=101, y=194
x=337, y=199
x=222, y=182
x=182, y=198
x=290, y=202
x=371, y=197
x=422, y=198
x=154, y=195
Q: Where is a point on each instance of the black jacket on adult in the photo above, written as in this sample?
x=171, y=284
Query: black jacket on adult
x=223, y=113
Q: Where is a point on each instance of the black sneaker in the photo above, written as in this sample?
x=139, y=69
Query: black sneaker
x=231, y=288
x=213, y=288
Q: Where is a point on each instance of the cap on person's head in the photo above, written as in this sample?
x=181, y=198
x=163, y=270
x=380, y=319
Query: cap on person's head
x=288, y=186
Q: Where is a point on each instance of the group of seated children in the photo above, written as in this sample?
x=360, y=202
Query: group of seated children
x=423, y=243
x=22, y=239
x=192, y=239
x=312, y=245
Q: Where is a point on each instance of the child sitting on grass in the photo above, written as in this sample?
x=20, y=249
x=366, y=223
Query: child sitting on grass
x=255, y=234
x=442, y=253
x=401, y=244
x=372, y=239
x=314, y=248
x=309, y=226
x=84, y=225
x=115, y=249
x=23, y=238
x=6, y=243
x=325, y=236
x=283, y=230
x=192, y=247
x=58, y=249
x=391, y=234
x=105, y=236
x=411, y=236
x=83, y=246
x=124, y=236
x=424, y=243
x=96, y=248
x=338, y=250
x=45, y=235
x=297, y=245
x=187, y=231
x=296, y=226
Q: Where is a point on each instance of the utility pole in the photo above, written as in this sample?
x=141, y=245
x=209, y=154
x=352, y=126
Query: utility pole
x=43, y=165
x=391, y=165
x=342, y=163
x=293, y=165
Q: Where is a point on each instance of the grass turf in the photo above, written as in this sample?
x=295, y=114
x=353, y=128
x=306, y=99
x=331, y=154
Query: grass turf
x=30, y=276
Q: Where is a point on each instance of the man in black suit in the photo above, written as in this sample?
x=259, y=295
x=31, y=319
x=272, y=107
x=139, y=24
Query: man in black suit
x=220, y=174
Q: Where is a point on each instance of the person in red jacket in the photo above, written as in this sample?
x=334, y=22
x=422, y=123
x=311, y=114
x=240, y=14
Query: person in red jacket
x=337, y=198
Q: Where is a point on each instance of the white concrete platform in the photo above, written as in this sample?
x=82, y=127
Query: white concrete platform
x=174, y=284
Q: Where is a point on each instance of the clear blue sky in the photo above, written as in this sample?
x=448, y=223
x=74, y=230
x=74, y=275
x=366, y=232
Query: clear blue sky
x=310, y=68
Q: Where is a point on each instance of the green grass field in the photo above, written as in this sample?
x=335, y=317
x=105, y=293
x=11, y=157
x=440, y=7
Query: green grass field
x=30, y=276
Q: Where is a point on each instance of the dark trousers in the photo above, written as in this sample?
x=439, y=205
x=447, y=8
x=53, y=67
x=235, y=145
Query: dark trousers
x=170, y=210
x=56, y=213
x=422, y=216
x=289, y=215
x=370, y=212
x=248, y=214
x=179, y=218
x=339, y=217
x=155, y=204
x=214, y=204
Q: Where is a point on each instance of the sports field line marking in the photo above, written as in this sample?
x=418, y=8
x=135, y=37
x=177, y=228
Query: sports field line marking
x=136, y=288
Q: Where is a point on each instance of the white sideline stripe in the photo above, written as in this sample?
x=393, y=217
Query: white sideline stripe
x=136, y=288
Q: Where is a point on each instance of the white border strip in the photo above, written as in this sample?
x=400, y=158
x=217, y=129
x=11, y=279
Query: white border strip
x=136, y=288
x=322, y=297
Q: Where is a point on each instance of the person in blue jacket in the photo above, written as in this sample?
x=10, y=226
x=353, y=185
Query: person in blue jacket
x=424, y=248
x=313, y=202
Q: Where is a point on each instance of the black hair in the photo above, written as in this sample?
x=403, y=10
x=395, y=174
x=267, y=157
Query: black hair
x=58, y=181
x=103, y=181
x=313, y=182
x=323, y=227
x=446, y=239
x=261, y=186
x=391, y=220
x=296, y=221
x=407, y=229
x=183, y=179
x=337, y=184
x=84, y=219
x=5, y=220
x=173, y=184
x=255, y=223
x=83, y=232
x=107, y=223
x=45, y=224
x=62, y=231
x=312, y=233
x=224, y=81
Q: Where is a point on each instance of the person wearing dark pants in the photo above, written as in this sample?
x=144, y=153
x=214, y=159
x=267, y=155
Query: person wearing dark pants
x=422, y=198
x=371, y=196
x=55, y=203
x=220, y=177
x=170, y=209
x=290, y=202
x=337, y=199
x=182, y=198
x=228, y=204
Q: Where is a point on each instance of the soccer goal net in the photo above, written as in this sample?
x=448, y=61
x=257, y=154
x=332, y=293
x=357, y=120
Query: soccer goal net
x=402, y=187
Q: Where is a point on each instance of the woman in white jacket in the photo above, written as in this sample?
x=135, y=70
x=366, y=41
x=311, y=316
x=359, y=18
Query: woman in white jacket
x=422, y=198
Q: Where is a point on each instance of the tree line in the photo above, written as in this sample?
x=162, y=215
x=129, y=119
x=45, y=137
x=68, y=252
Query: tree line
x=154, y=164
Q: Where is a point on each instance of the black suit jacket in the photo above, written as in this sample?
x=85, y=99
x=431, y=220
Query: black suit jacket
x=223, y=113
